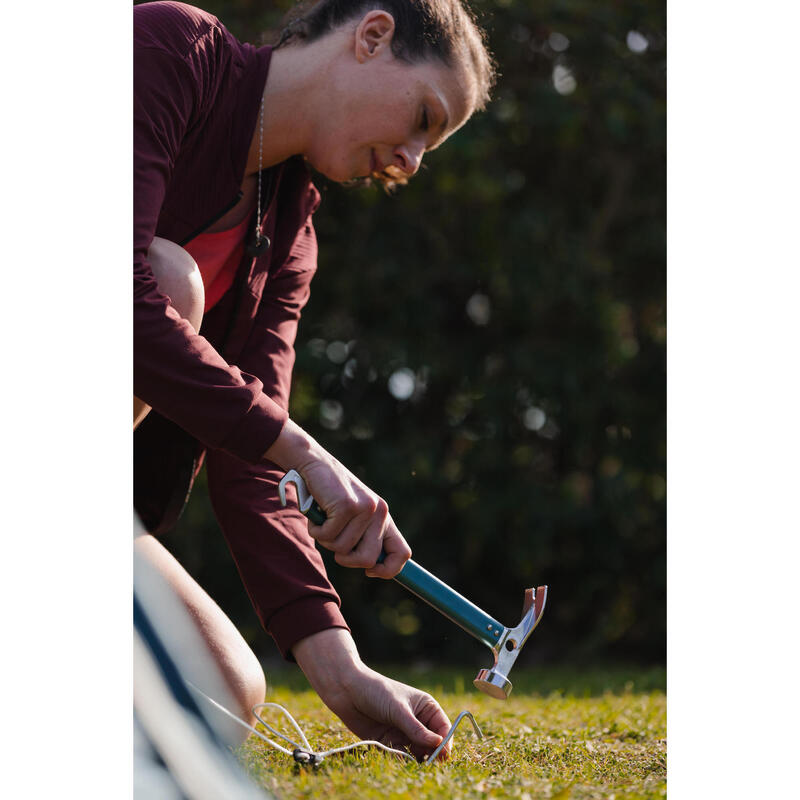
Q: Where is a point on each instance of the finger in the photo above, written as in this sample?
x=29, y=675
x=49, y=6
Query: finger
x=433, y=717
x=351, y=535
x=345, y=525
x=327, y=533
x=397, y=553
x=342, y=503
x=423, y=740
x=366, y=552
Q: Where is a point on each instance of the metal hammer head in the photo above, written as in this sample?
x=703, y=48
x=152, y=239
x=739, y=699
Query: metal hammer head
x=494, y=681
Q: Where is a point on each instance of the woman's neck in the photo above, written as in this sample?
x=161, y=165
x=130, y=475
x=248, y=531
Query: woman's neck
x=292, y=94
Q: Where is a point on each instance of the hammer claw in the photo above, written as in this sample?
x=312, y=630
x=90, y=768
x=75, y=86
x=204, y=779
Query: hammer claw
x=494, y=681
x=541, y=599
x=530, y=598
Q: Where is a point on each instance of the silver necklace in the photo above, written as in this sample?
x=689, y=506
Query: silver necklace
x=260, y=243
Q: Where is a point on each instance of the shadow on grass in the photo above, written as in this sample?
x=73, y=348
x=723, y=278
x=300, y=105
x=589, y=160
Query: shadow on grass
x=570, y=681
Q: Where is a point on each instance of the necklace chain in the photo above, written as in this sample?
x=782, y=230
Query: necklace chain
x=260, y=156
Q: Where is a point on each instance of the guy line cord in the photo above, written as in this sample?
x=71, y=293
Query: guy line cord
x=305, y=754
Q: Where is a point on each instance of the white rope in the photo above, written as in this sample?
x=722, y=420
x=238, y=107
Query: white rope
x=306, y=754
x=303, y=754
x=278, y=733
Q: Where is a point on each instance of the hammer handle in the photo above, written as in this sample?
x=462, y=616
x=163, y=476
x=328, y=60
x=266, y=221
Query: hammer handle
x=436, y=593
x=449, y=602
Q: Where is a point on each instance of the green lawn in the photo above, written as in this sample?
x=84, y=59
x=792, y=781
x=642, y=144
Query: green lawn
x=561, y=734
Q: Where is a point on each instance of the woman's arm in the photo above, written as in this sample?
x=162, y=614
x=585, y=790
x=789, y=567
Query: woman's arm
x=278, y=562
x=176, y=371
x=370, y=704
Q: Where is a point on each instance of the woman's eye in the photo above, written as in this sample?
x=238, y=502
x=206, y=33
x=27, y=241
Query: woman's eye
x=424, y=124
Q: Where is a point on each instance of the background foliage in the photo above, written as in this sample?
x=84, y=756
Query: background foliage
x=487, y=347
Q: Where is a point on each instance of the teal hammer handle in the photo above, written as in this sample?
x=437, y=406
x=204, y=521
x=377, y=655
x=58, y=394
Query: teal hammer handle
x=437, y=594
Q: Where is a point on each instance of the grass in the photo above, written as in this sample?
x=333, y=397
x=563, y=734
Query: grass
x=562, y=734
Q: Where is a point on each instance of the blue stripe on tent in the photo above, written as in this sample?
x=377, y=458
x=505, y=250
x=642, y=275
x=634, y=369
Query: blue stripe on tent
x=169, y=669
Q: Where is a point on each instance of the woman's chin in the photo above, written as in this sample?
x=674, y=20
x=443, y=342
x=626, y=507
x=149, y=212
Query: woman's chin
x=338, y=173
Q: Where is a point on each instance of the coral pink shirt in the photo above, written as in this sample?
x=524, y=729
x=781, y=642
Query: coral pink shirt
x=218, y=256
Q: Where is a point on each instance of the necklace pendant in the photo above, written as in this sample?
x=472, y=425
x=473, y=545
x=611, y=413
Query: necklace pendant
x=259, y=246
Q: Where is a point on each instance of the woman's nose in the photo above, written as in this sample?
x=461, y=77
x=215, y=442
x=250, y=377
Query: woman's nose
x=408, y=157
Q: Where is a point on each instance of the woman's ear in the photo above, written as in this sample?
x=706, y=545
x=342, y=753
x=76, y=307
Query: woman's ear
x=373, y=34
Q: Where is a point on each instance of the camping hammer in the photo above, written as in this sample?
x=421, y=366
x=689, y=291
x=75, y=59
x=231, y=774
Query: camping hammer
x=505, y=643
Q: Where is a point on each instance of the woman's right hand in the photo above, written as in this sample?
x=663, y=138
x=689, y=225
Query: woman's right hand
x=358, y=524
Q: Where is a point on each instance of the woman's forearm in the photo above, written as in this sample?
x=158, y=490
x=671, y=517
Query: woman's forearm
x=292, y=448
x=329, y=659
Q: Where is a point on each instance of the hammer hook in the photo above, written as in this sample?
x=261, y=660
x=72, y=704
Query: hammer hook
x=304, y=498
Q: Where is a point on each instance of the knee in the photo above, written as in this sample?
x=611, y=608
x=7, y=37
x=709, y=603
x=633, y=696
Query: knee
x=178, y=277
x=247, y=687
x=257, y=693
x=252, y=686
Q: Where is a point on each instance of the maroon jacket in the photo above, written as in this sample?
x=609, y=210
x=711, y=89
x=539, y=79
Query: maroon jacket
x=197, y=97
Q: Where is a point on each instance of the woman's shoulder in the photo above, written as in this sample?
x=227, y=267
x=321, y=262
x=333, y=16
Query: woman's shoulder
x=172, y=26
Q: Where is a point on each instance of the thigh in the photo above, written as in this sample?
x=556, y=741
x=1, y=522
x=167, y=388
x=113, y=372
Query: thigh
x=179, y=278
x=238, y=664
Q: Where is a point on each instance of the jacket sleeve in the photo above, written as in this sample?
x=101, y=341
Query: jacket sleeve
x=277, y=559
x=176, y=371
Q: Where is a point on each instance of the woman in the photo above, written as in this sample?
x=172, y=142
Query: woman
x=223, y=237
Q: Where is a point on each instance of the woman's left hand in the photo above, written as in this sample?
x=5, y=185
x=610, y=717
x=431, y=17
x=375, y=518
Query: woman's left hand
x=370, y=704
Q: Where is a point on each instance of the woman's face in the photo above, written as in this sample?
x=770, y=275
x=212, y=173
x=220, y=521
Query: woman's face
x=383, y=114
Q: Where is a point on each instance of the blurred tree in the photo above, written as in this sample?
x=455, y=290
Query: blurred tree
x=487, y=347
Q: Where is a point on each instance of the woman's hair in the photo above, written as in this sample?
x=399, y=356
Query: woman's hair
x=446, y=30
